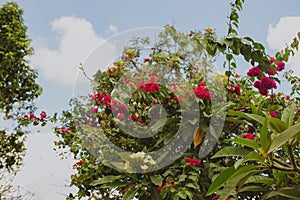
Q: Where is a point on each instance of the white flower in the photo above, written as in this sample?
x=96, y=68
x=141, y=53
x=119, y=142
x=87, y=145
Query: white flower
x=144, y=167
x=152, y=162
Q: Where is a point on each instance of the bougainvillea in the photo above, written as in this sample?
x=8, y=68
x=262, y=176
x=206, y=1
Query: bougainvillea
x=256, y=155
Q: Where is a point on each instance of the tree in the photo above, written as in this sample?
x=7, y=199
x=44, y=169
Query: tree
x=257, y=152
x=18, y=88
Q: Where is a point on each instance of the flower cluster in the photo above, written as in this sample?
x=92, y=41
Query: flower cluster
x=248, y=136
x=149, y=86
x=234, y=89
x=168, y=182
x=193, y=161
x=264, y=85
x=202, y=92
x=36, y=119
x=273, y=113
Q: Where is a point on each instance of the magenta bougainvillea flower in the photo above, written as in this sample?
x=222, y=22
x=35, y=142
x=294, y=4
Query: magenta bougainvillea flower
x=248, y=136
x=273, y=113
x=202, y=92
x=254, y=71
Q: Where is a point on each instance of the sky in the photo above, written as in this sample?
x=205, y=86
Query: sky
x=64, y=32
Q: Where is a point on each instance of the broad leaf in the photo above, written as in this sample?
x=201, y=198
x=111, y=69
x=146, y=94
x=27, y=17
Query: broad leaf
x=277, y=125
x=288, y=115
x=246, y=142
x=231, y=151
x=220, y=180
x=105, y=179
x=283, y=137
x=156, y=179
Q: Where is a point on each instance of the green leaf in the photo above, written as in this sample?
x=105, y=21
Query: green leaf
x=220, y=180
x=289, y=192
x=265, y=136
x=231, y=151
x=182, y=194
x=252, y=188
x=246, y=142
x=105, y=179
x=254, y=117
x=283, y=137
x=156, y=179
x=288, y=114
x=129, y=194
x=277, y=125
x=260, y=179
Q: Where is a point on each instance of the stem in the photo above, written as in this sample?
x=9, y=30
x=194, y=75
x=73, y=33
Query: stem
x=281, y=162
x=292, y=158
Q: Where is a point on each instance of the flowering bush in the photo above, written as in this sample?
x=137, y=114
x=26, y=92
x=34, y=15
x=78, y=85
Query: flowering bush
x=257, y=152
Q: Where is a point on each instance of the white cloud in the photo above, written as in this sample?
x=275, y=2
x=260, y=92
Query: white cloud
x=112, y=29
x=77, y=39
x=283, y=34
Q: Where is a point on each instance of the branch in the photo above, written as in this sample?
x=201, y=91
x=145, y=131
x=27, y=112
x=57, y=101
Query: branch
x=292, y=158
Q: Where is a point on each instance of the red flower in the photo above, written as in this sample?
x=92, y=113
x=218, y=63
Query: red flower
x=272, y=60
x=254, y=71
x=273, y=113
x=234, y=89
x=43, y=114
x=227, y=198
x=248, y=136
x=147, y=59
x=134, y=117
x=80, y=162
x=215, y=197
x=160, y=187
x=31, y=116
x=192, y=161
x=26, y=116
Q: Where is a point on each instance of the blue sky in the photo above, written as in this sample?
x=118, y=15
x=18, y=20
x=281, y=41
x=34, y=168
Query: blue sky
x=65, y=31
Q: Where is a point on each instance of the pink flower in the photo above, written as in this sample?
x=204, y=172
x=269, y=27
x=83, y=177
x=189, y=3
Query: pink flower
x=248, y=136
x=31, y=116
x=271, y=72
x=122, y=107
x=26, y=116
x=120, y=116
x=193, y=161
x=272, y=60
x=273, y=113
x=140, y=121
x=134, y=117
x=264, y=85
x=254, y=71
x=280, y=66
x=94, y=109
x=202, y=92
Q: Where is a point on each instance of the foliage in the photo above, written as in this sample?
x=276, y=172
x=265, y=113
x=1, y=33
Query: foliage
x=18, y=89
x=257, y=154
